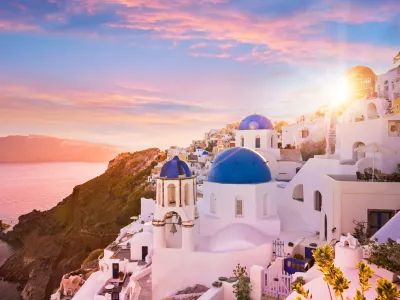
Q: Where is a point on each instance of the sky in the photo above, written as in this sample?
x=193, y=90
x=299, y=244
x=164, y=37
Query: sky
x=155, y=73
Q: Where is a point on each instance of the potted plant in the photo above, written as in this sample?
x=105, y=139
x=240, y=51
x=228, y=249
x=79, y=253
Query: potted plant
x=242, y=287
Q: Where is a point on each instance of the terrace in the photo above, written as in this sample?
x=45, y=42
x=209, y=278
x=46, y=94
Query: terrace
x=115, y=286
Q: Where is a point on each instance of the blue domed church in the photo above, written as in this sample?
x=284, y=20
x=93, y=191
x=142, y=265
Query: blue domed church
x=257, y=132
x=239, y=192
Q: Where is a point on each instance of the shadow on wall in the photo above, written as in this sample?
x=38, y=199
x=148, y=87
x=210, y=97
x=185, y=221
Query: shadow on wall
x=310, y=148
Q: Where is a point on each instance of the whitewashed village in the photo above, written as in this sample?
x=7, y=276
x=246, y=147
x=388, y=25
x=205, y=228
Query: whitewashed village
x=245, y=195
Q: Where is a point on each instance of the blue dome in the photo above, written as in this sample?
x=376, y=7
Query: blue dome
x=175, y=168
x=254, y=122
x=205, y=153
x=239, y=166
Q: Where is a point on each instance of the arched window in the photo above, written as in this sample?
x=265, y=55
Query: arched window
x=213, y=204
x=238, y=207
x=367, y=82
x=358, y=155
x=242, y=141
x=265, y=205
x=372, y=111
x=298, y=193
x=187, y=196
x=171, y=195
x=317, y=200
x=258, y=142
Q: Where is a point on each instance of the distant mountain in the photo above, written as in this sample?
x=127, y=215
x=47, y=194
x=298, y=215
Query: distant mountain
x=35, y=148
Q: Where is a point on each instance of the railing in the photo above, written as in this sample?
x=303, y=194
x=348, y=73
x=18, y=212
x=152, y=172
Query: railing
x=277, y=282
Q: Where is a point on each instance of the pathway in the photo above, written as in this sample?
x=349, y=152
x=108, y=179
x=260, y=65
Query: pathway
x=145, y=285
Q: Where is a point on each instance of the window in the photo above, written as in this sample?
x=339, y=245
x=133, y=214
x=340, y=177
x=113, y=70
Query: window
x=317, y=201
x=239, y=207
x=378, y=218
x=171, y=195
x=298, y=193
x=258, y=142
x=367, y=82
x=304, y=133
x=265, y=205
x=159, y=194
x=213, y=204
x=187, y=194
x=242, y=141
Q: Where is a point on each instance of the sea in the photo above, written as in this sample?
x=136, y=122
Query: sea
x=40, y=186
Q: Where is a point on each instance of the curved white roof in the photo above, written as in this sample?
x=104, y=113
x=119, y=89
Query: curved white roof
x=236, y=237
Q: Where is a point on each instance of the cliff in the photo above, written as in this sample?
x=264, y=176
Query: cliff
x=55, y=242
x=34, y=148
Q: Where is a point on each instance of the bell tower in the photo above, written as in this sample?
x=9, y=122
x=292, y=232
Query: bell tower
x=176, y=206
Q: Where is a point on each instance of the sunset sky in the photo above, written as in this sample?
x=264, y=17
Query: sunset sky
x=143, y=73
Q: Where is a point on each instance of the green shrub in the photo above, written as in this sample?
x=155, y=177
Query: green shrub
x=93, y=255
x=298, y=256
x=386, y=255
x=242, y=287
x=310, y=148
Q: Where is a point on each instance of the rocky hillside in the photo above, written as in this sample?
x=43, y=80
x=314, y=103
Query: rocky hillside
x=56, y=241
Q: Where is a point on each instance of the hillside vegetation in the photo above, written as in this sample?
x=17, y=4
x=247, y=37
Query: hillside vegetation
x=54, y=242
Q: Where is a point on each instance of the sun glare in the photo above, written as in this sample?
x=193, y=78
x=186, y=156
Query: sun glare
x=339, y=93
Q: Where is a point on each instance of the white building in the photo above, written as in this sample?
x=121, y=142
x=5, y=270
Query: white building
x=239, y=191
x=305, y=130
x=175, y=151
x=210, y=235
x=257, y=132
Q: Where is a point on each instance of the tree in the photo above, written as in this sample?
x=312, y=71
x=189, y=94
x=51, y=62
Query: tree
x=386, y=290
x=334, y=278
x=364, y=275
x=279, y=124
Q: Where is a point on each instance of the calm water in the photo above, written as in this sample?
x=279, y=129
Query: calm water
x=24, y=187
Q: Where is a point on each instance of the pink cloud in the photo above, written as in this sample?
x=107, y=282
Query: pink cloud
x=226, y=46
x=281, y=38
x=100, y=116
x=198, y=45
x=214, y=55
x=19, y=26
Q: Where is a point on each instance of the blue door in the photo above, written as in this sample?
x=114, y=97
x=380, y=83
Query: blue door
x=115, y=270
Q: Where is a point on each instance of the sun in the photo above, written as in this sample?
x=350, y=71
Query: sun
x=338, y=93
